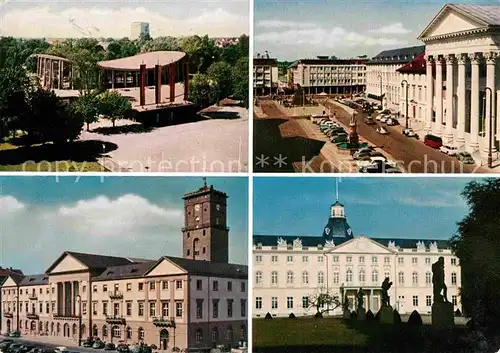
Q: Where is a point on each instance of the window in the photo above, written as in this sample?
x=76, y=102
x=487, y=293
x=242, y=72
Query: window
x=243, y=307
x=215, y=286
x=178, y=285
x=178, y=309
x=164, y=285
x=199, y=335
x=258, y=259
x=141, y=308
x=105, y=308
x=305, y=302
x=215, y=334
x=40, y=307
x=415, y=300
x=152, y=285
x=164, y=309
x=348, y=259
x=289, y=259
x=361, y=259
x=289, y=302
x=374, y=259
x=152, y=309
x=321, y=278
x=305, y=259
x=215, y=308
x=84, y=308
x=274, y=278
x=105, y=288
x=428, y=300
x=243, y=287
x=453, y=278
x=387, y=260
x=374, y=276
x=289, y=277
x=129, y=308
x=274, y=258
x=129, y=287
x=414, y=260
x=428, y=278
x=128, y=333
x=274, y=303
x=258, y=303
x=229, y=286
x=427, y=260
x=401, y=260
x=94, y=307
x=141, y=333
x=116, y=332
x=116, y=309
x=348, y=275
x=336, y=278
x=140, y=286
x=199, y=308
x=453, y=261
x=229, y=307
x=320, y=259
x=401, y=278
x=414, y=278
x=94, y=289
x=305, y=277
x=361, y=275
x=335, y=259
x=258, y=277
x=454, y=300
x=104, y=331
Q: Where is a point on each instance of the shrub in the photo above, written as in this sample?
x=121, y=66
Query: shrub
x=458, y=312
x=370, y=316
x=397, y=317
x=354, y=315
x=415, y=319
x=268, y=316
x=291, y=316
x=377, y=316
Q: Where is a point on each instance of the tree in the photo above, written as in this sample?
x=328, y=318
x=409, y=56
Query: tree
x=88, y=106
x=220, y=74
x=240, y=80
x=161, y=44
x=14, y=87
x=201, y=50
x=114, y=106
x=477, y=246
x=323, y=301
x=200, y=90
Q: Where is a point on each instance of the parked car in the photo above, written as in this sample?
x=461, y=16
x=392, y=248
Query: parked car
x=109, y=347
x=362, y=152
x=98, y=344
x=88, y=342
x=449, y=150
x=340, y=138
x=369, y=120
x=465, y=158
x=15, y=334
x=392, y=121
x=384, y=118
x=433, y=141
x=381, y=130
x=60, y=349
x=122, y=348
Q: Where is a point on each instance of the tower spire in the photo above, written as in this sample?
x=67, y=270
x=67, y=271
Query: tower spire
x=204, y=182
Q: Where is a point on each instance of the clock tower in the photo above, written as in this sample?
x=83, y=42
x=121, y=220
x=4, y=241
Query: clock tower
x=205, y=235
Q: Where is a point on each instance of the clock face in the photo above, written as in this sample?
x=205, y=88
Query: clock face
x=197, y=207
x=217, y=207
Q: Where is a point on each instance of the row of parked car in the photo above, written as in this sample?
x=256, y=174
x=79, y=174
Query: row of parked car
x=332, y=130
x=8, y=345
x=436, y=142
x=370, y=161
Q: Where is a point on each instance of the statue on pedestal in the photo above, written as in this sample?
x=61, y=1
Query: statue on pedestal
x=360, y=297
x=386, y=285
x=438, y=281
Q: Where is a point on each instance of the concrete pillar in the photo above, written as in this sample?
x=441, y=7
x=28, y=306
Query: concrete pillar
x=439, y=97
x=112, y=79
x=450, y=85
x=474, y=104
x=171, y=73
x=186, y=81
x=462, y=60
x=64, y=298
x=490, y=100
x=159, y=312
x=146, y=301
x=142, y=92
x=430, y=94
x=59, y=81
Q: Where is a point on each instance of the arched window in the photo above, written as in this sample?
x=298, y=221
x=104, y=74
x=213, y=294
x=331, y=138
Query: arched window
x=321, y=278
x=274, y=277
x=361, y=275
x=129, y=333
x=229, y=334
x=258, y=277
x=140, y=332
x=215, y=334
x=199, y=335
x=305, y=277
x=414, y=278
x=348, y=275
x=454, y=278
x=336, y=277
x=116, y=331
x=95, y=331
x=401, y=277
x=375, y=276
x=243, y=332
x=289, y=277
x=428, y=278
x=104, y=331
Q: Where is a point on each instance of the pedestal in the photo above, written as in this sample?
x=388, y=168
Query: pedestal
x=442, y=315
x=386, y=315
x=347, y=314
x=361, y=314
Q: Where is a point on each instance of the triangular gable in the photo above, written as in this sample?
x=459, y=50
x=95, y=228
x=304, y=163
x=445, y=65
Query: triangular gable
x=9, y=282
x=66, y=263
x=361, y=245
x=165, y=267
x=451, y=20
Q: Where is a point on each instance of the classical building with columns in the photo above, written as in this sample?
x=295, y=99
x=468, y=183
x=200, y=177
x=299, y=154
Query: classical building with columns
x=462, y=75
x=197, y=301
x=289, y=270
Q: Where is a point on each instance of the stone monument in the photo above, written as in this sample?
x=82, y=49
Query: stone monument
x=442, y=309
x=346, y=307
x=360, y=309
x=386, y=315
x=353, y=134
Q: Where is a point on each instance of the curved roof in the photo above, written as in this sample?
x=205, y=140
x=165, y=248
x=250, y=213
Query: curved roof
x=53, y=57
x=337, y=227
x=133, y=63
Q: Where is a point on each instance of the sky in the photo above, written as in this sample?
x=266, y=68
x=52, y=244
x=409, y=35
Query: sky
x=412, y=208
x=113, y=18
x=299, y=29
x=41, y=217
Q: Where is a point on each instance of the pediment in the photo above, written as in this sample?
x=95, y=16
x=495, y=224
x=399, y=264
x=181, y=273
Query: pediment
x=67, y=264
x=362, y=245
x=165, y=268
x=9, y=282
x=450, y=21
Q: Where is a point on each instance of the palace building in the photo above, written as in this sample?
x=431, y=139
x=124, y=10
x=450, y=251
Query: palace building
x=291, y=269
x=195, y=301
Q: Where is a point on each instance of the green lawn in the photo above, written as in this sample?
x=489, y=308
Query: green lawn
x=304, y=335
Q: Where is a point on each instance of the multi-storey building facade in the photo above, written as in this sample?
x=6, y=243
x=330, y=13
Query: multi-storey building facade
x=289, y=270
x=138, y=29
x=169, y=302
x=265, y=76
x=330, y=76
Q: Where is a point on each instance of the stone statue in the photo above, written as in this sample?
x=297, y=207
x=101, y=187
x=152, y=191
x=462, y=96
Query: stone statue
x=438, y=281
x=360, y=297
x=386, y=285
x=347, y=303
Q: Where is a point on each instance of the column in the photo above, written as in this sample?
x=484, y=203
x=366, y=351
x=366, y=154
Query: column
x=430, y=94
x=159, y=312
x=450, y=85
x=146, y=301
x=474, y=104
x=490, y=101
x=63, y=298
x=51, y=77
x=439, y=97
x=112, y=79
x=59, y=83
x=462, y=60
x=186, y=82
x=171, y=72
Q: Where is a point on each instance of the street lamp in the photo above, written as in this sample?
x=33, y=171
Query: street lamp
x=380, y=78
x=490, y=147
x=407, y=86
x=79, y=299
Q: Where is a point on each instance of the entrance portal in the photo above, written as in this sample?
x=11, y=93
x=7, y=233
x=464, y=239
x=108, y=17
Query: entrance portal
x=163, y=339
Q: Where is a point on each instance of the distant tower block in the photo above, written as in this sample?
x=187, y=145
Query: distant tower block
x=137, y=29
x=205, y=233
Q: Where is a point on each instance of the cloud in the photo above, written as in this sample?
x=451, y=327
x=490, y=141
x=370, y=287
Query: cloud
x=326, y=38
x=393, y=28
x=284, y=24
x=9, y=204
x=51, y=22
x=431, y=201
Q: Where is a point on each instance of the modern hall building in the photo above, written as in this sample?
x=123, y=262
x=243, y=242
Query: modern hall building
x=289, y=270
x=265, y=76
x=195, y=301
